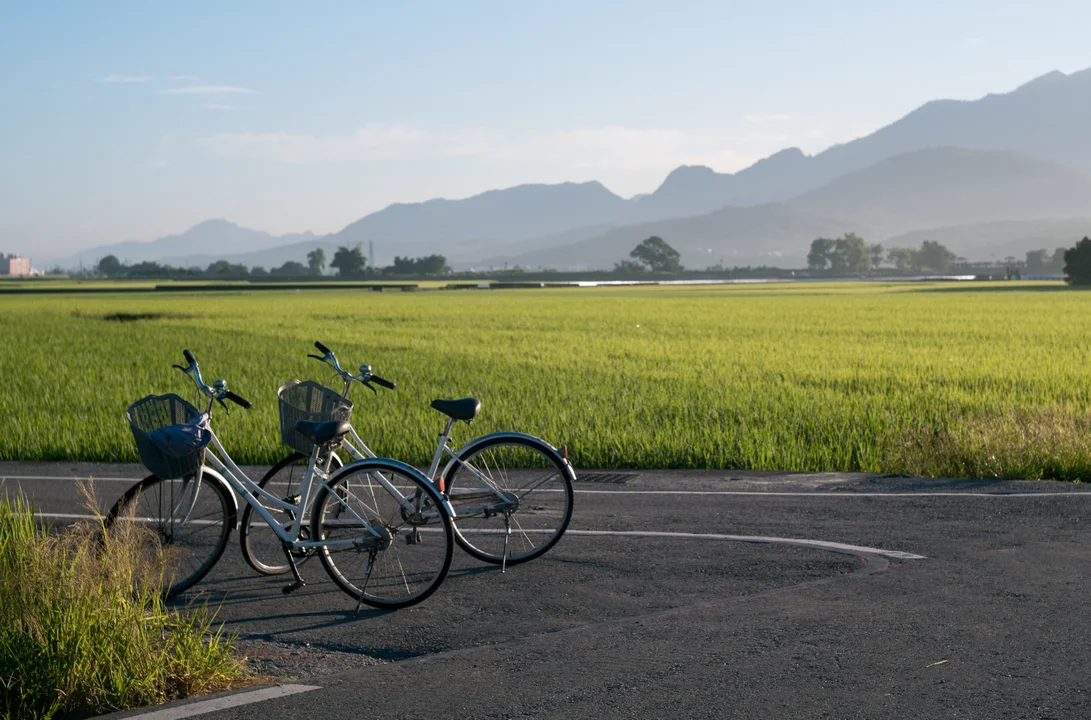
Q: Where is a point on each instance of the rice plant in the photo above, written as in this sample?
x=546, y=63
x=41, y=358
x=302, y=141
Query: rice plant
x=914, y=377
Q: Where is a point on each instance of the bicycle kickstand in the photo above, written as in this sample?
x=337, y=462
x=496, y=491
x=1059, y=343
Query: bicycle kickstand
x=507, y=536
x=288, y=589
x=367, y=576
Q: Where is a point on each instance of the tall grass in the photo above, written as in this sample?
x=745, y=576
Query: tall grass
x=928, y=378
x=80, y=632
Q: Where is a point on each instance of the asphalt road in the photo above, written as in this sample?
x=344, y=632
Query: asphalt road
x=989, y=624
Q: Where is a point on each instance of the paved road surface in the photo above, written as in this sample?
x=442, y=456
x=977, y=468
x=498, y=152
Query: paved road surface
x=667, y=620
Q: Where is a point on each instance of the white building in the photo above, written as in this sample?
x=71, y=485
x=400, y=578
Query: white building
x=14, y=265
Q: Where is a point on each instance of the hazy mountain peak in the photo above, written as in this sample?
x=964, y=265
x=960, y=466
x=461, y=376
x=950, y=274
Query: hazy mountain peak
x=688, y=173
x=213, y=224
x=1049, y=80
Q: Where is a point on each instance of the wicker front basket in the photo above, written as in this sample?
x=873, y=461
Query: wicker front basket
x=155, y=412
x=311, y=401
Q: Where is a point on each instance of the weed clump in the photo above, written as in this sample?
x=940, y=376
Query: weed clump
x=80, y=632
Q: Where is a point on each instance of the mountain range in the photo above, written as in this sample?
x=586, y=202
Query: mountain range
x=1018, y=163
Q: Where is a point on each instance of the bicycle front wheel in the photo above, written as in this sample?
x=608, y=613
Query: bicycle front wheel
x=388, y=538
x=182, y=536
x=512, y=497
x=261, y=547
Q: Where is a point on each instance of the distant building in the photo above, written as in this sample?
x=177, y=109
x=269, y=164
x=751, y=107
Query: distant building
x=14, y=265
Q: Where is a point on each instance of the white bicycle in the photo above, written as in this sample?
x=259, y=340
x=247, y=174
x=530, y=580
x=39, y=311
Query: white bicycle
x=510, y=494
x=381, y=530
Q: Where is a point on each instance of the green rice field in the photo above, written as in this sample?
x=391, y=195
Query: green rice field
x=943, y=379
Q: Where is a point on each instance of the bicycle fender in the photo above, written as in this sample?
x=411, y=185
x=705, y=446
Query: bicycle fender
x=233, y=520
x=473, y=445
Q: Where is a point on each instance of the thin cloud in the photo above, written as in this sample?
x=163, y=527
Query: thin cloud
x=592, y=149
x=185, y=78
x=369, y=142
x=216, y=106
x=208, y=90
x=123, y=79
x=769, y=118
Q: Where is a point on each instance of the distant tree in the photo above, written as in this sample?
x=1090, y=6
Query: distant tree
x=349, y=262
x=111, y=267
x=258, y=271
x=629, y=267
x=1077, y=263
x=819, y=257
x=850, y=255
x=147, y=270
x=289, y=269
x=876, y=255
x=432, y=265
x=401, y=266
x=935, y=257
x=902, y=258
x=316, y=261
x=222, y=268
x=657, y=255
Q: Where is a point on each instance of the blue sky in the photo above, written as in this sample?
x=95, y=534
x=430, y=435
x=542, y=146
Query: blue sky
x=133, y=120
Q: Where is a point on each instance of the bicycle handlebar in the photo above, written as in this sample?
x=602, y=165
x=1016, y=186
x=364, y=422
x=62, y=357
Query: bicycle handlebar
x=219, y=392
x=238, y=400
x=364, y=378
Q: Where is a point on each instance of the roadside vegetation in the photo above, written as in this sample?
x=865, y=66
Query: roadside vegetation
x=81, y=634
x=947, y=379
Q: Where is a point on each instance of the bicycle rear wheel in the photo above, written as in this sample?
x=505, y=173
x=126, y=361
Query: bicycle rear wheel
x=512, y=496
x=183, y=546
x=399, y=555
x=261, y=547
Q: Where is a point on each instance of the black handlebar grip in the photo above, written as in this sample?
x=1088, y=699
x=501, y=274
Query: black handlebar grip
x=382, y=381
x=238, y=400
x=189, y=357
x=321, y=347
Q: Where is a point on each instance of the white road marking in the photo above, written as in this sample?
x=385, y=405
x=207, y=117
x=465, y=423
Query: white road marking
x=821, y=544
x=71, y=478
x=827, y=494
x=76, y=516
x=223, y=703
x=744, y=493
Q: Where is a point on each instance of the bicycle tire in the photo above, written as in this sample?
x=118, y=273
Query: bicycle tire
x=412, y=564
x=541, y=481
x=261, y=547
x=189, y=556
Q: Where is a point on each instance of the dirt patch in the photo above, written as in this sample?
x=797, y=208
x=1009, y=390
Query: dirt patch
x=134, y=317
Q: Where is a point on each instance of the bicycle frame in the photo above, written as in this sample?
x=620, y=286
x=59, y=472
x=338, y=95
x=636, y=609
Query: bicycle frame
x=358, y=450
x=243, y=486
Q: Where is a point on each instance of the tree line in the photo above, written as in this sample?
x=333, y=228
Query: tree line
x=349, y=262
x=850, y=254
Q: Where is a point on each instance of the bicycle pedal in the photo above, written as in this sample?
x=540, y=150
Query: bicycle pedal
x=289, y=589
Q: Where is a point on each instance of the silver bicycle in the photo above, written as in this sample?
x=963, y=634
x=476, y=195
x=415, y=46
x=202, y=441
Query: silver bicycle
x=510, y=493
x=380, y=528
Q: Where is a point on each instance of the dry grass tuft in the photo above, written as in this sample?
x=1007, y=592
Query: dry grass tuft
x=80, y=630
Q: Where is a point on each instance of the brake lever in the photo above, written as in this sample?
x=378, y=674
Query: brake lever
x=366, y=384
x=179, y=367
x=316, y=357
x=223, y=405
